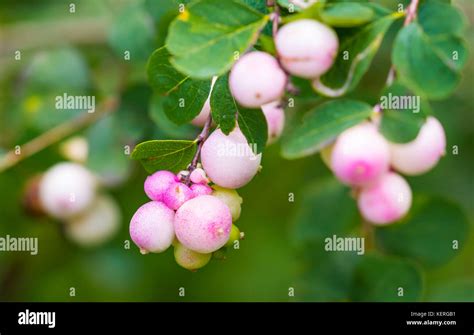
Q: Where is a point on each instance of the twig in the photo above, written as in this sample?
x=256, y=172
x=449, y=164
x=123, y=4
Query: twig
x=56, y=134
x=27, y=36
x=410, y=16
x=200, y=141
x=369, y=235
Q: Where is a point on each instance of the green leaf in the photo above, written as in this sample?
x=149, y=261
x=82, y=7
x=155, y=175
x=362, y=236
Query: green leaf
x=163, y=12
x=131, y=118
x=267, y=44
x=164, y=125
x=107, y=156
x=205, y=38
x=427, y=234
x=380, y=278
x=326, y=209
x=399, y=124
x=424, y=67
x=287, y=4
x=438, y=18
x=429, y=53
x=321, y=126
x=356, y=52
x=253, y=125
x=165, y=155
x=312, y=12
x=455, y=290
x=185, y=96
x=346, y=14
x=224, y=109
x=132, y=30
x=58, y=71
x=327, y=278
x=259, y=5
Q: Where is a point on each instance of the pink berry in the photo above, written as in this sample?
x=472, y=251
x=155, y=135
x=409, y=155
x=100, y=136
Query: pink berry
x=275, y=116
x=203, y=224
x=423, y=153
x=158, y=183
x=67, y=190
x=97, y=224
x=176, y=195
x=360, y=155
x=198, y=176
x=386, y=201
x=257, y=79
x=202, y=117
x=307, y=48
x=201, y=189
x=229, y=160
x=151, y=227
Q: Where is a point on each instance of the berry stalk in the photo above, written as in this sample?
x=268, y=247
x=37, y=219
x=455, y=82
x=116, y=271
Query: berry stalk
x=200, y=141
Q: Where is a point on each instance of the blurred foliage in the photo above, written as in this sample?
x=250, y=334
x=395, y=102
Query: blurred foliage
x=271, y=259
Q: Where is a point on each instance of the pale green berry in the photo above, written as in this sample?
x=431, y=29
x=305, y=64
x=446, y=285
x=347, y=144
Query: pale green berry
x=235, y=235
x=231, y=198
x=189, y=259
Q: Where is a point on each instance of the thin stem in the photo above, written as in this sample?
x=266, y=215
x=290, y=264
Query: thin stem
x=200, y=139
x=410, y=16
x=25, y=36
x=369, y=235
x=56, y=134
x=276, y=20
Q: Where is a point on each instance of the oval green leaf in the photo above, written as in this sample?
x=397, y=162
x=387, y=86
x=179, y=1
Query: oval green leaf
x=346, y=14
x=205, y=38
x=381, y=278
x=433, y=233
x=185, y=97
x=168, y=155
x=321, y=126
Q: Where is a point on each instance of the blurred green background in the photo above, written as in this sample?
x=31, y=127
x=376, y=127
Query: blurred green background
x=82, y=53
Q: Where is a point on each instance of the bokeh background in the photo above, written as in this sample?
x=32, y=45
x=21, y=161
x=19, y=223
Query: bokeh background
x=82, y=53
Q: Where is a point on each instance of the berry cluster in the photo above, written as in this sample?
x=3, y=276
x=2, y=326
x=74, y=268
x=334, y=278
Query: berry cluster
x=69, y=193
x=306, y=48
x=187, y=213
x=184, y=210
x=363, y=159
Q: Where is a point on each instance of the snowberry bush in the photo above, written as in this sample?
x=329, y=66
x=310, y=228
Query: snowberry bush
x=242, y=70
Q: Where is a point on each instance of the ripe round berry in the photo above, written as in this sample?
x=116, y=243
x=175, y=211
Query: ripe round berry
x=96, y=225
x=203, y=224
x=257, y=79
x=189, y=259
x=75, y=149
x=231, y=198
x=176, y=195
x=360, y=155
x=386, y=201
x=202, y=117
x=151, y=227
x=198, y=176
x=326, y=154
x=158, y=183
x=275, y=116
x=306, y=48
x=66, y=190
x=201, y=189
x=229, y=160
x=423, y=153
x=234, y=236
